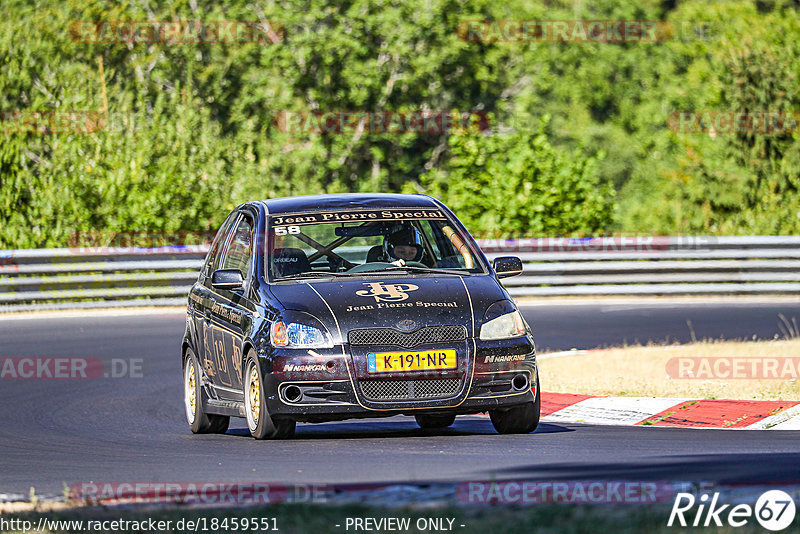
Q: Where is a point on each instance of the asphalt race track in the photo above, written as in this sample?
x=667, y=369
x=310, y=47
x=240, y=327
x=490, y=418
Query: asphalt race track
x=56, y=432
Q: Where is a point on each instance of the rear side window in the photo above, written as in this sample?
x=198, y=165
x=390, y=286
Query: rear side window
x=216, y=246
x=240, y=248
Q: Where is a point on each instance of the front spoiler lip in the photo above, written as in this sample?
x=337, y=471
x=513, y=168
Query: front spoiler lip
x=333, y=412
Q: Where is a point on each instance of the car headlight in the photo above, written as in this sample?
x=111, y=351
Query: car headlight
x=299, y=336
x=504, y=327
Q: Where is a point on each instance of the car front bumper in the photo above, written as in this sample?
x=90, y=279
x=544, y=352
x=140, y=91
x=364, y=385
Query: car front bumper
x=316, y=386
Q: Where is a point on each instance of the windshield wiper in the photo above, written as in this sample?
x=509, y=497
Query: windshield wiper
x=413, y=269
x=311, y=274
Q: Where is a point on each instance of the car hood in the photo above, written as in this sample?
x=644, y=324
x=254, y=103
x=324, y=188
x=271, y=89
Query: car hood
x=402, y=303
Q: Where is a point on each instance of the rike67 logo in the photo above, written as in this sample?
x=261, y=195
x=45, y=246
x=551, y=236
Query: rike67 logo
x=774, y=510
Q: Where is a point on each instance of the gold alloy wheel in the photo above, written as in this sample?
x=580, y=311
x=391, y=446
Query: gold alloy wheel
x=254, y=395
x=191, y=391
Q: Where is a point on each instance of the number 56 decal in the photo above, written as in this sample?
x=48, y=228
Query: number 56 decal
x=284, y=230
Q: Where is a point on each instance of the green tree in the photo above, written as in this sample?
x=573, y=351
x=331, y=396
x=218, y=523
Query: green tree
x=518, y=184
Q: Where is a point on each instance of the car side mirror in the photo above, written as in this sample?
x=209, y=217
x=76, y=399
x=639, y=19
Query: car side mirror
x=506, y=266
x=227, y=279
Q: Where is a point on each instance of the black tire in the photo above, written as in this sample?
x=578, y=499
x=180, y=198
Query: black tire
x=259, y=422
x=193, y=395
x=433, y=421
x=520, y=419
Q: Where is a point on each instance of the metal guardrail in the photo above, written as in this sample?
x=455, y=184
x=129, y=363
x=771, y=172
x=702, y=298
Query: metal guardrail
x=652, y=265
x=640, y=265
x=91, y=277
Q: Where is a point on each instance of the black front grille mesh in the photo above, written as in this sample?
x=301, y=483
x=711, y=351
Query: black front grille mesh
x=409, y=389
x=423, y=336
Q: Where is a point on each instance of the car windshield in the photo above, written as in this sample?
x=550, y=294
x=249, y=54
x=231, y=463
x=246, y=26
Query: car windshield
x=350, y=243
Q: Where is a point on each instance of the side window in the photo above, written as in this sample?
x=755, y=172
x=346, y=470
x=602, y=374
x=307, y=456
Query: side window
x=240, y=248
x=217, y=244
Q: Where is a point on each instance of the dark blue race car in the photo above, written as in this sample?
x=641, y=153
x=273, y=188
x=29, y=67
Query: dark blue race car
x=330, y=307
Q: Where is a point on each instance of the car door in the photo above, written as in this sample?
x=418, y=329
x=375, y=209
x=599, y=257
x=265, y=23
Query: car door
x=201, y=300
x=232, y=310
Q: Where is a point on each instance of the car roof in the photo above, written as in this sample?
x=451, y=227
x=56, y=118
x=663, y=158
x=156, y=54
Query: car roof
x=347, y=201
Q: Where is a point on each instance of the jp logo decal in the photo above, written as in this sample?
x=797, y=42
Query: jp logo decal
x=386, y=292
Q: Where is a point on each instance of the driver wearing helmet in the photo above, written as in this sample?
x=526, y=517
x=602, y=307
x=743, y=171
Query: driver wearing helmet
x=404, y=245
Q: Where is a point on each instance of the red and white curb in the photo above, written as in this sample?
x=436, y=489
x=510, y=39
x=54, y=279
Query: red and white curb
x=656, y=411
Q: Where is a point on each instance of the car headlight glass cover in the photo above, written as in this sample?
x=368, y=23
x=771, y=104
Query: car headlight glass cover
x=299, y=336
x=506, y=326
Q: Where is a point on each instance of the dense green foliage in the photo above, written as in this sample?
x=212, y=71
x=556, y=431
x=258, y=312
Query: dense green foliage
x=491, y=180
x=578, y=144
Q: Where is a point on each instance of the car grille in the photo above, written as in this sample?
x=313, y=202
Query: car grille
x=423, y=336
x=409, y=389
